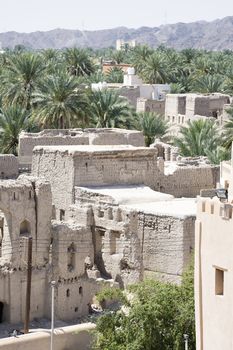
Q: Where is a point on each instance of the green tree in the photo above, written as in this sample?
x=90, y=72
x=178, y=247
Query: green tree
x=20, y=77
x=13, y=120
x=208, y=83
x=108, y=109
x=78, y=62
x=228, y=130
x=58, y=102
x=139, y=55
x=155, y=69
x=115, y=75
x=159, y=314
x=118, y=56
x=198, y=138
x=152, y=125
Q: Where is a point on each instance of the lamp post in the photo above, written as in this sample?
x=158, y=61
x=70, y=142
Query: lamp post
x=186, y=340
x=53, y=283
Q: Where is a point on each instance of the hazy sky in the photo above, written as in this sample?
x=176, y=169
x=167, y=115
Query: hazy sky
x=32, y=15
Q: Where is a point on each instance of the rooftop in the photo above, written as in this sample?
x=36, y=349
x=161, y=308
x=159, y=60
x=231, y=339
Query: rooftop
x=96, y=149
x=144, y=199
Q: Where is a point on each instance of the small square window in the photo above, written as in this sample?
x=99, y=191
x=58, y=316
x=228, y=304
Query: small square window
x=219, y=282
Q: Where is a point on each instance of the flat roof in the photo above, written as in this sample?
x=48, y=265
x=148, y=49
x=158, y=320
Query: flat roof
x=129, y=194
x=177, y=207
x=144, y=199
x=79, y=149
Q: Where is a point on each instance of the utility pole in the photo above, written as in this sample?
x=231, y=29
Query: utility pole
x=186, y=340
x=53, y=283
x=28, y=290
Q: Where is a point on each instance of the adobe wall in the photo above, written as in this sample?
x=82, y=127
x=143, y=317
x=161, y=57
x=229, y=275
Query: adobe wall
x=175, y=104
x=66, y=167
x=131, y=244
x=71, y=337
x=154, y=106
x=26, y=208
x=9, y=166
x=197, y=105
x=27, y=141
x=188, y=181
x=131, y=93
x=167, y=244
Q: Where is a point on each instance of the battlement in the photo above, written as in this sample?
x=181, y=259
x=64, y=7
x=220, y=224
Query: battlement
x=213, y=206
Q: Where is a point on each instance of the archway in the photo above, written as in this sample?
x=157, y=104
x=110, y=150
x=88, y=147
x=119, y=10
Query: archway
x=25, y=228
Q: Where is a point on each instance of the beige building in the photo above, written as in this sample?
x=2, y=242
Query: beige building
x=213, y=268
x=98, y=215
x=181, y=108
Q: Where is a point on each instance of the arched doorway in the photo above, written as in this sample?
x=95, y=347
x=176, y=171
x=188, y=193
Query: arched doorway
x=25, y=228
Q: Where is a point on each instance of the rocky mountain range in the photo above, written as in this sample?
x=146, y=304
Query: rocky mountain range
x=215, y=35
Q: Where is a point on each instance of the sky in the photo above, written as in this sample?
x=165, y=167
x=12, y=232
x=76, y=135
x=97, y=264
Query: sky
x=43, y=15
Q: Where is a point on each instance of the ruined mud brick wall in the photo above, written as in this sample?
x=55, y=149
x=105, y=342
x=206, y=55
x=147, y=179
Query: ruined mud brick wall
x=131, y=94
x=26, y=206
x=189, y=181
x=9, y=166
x=175, y=104
x=167, y=243
x=66, y=167
x=131, y=245
x=117, y=247
x=154, y=106
x=27, y=141
x=75, y=291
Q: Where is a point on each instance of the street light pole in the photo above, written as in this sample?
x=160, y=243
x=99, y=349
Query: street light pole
x=186, y=340
x=52, y=314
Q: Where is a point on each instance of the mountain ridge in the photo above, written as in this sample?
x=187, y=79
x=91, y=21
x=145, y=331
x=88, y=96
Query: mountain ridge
x=214, y=35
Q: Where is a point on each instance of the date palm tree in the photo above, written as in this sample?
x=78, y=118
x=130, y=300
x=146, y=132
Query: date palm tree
x=155, y=69
x=58, y=102
x=152, y=125
x=20, y=77
x=13, y=120
x=78, y=62
x=108, y=109
x=198, y=138
x=208, y=83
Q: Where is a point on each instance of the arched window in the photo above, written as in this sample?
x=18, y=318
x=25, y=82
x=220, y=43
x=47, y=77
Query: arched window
x=25, y=228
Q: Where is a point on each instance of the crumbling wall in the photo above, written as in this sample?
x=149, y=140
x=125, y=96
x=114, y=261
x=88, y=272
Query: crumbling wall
x=53, y=137
x=175, y=104
x=154, y=106
x=189, y=181
x=26, y=208
x=131, y=93
x=9, y=166
x=167, y=244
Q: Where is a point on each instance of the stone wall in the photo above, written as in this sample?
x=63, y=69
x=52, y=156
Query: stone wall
x=9, y=166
